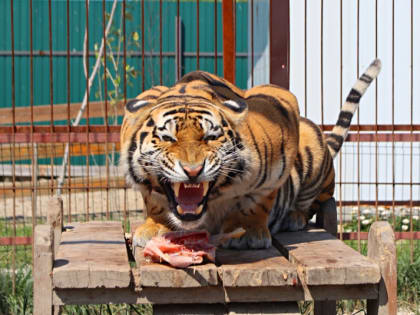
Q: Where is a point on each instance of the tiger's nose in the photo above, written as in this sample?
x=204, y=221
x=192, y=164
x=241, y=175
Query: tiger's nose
x=192, y=171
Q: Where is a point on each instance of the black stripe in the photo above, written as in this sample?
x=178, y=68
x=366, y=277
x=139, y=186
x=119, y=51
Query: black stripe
x=272, y=101
x=262, y=180
x=338, y=139
x=310, y=160
x=299, y=166
x=175, y=111
x=354, y=96
x=344, y=119
x=316, y=129
x=131, y=150
x=334, y=145
x=143, y=135
x=366, y=78
x=283, y=157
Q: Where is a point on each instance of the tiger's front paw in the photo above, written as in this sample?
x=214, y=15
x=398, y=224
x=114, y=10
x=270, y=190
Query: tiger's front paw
x=148, y=230
x=258, y=237
x=294, y=221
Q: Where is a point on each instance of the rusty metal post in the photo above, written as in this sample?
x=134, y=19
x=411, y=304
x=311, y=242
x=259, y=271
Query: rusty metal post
x=229, y=45
x=280, y=42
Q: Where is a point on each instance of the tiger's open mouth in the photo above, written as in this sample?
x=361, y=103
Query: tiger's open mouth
x=187, y=201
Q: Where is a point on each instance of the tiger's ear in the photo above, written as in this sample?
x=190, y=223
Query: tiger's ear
x=230, y=97
x=134, y=105
x=235, y=109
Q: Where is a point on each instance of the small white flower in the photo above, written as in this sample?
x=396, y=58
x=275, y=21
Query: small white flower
x=348, y=230
x=362, y=217
x=367, y=211
x=381, y=209
x=415, y=217
x=366, y=222
x=406, y=221
x=404, y=227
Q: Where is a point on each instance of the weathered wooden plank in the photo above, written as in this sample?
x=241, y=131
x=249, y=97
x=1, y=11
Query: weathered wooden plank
x=255, y=268
x=325, y=260
x=164, y=276
x=55, y=219
x=43, y=264
x=381, y=248
x=92, y=255
x=210, y=294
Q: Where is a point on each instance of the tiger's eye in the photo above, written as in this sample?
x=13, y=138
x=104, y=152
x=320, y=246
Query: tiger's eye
x=210, y=138
x=167, y=138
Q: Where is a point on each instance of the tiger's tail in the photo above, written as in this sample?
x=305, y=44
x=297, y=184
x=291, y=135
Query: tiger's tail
x=339, y=133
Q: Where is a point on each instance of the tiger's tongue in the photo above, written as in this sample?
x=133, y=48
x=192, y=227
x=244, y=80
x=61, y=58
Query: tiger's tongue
x=189, y=197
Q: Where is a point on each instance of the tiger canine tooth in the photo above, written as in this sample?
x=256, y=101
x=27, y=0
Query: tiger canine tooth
x=179, y=209
x=176, y=187
x=199, y=209
x=205, y=188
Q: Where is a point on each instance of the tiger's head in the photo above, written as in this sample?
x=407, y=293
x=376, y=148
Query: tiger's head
x=181, y=143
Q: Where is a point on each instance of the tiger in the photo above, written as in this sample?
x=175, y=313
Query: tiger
x=206, y=154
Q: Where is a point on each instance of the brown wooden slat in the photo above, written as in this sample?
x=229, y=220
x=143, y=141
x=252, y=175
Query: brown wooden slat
x=92, y=255
x=325, y=260
x=42, y=112
x=255, y=268
x=44, y=188
x=46, y=150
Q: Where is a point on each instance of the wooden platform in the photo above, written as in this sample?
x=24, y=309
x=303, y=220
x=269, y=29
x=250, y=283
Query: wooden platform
x=91, y=265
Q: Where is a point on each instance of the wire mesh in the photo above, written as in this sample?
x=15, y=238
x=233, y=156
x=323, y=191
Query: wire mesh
x=87, y=58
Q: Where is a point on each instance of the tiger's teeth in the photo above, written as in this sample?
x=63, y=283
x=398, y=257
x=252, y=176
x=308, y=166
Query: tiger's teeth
x=192, y=185
x=199, y=209
x=205, y=188
x=176, y=187
x=179, y=209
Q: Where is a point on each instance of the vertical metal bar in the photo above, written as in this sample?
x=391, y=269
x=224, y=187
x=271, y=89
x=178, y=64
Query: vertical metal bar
x=68, y=112
x=87, y=111
x=106, y=107
x=252, y=43
x=198, y=35
x=31, y=102
x=376, y=118
x=142, y=44
x=178, y=47
x=341, y=102
x=411, y=129
x=393, y=112
x=125, y=81
x=178, y=43
x=322, y=64
x=51, y=92
x=229, y=46
x=305, y=49
x=12, y=30
x=160, y=43
x=358, y=129
x=280, y=42
x=215, y=37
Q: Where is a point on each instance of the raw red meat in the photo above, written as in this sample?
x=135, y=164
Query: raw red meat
x=181, y=249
